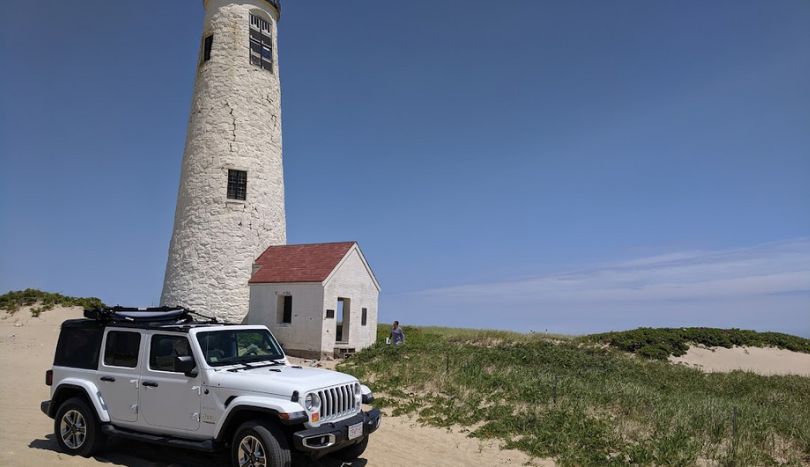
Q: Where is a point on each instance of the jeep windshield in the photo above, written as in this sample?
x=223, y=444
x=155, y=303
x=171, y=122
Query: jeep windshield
x=239, y=347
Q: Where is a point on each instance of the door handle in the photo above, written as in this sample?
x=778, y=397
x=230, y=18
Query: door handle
x=108, y=379
x=150, y=384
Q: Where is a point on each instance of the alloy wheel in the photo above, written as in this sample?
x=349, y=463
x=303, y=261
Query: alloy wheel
x=73, y=429
x=251, y=452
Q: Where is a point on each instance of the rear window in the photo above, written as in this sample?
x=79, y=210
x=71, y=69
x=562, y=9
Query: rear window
x=122, y=349
x=78, y=347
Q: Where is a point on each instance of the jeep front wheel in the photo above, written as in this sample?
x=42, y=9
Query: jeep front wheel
x=76, y=429
x=256, y=444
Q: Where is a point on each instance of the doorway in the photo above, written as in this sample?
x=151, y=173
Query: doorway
x=343, y=318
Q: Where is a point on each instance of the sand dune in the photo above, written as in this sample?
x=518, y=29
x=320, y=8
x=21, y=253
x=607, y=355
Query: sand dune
x=26, y=435
x=764, y=361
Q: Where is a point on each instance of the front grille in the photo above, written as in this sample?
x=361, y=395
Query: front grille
x=338, y=401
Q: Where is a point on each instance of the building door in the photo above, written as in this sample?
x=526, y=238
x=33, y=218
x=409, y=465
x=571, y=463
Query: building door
x=343, y=320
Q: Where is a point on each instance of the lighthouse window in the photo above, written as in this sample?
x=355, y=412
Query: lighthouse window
x=209, y=41
x=237, y=184
x=261, y=43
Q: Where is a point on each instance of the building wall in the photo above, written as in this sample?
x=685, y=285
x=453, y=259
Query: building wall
x=352, y=280
x=235, y=123
x=302, y=337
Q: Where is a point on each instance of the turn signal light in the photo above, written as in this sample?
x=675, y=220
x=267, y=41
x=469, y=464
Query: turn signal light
x=316, y=416
x=49, y=377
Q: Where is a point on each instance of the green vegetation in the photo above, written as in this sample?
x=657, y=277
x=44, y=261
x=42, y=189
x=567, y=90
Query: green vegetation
x=42, y=301
x=662, y=342
x=587, y=404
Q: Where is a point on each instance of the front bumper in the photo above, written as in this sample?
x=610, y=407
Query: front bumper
x=330, y=437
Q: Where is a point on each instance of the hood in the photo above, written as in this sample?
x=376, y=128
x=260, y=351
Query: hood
x=280, y=380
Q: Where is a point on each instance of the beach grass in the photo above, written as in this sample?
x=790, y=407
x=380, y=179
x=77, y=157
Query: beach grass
x=583, y=402
x=40, y=301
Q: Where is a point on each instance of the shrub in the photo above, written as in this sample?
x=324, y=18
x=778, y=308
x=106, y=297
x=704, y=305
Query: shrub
x=13, y=300
x=660, y=343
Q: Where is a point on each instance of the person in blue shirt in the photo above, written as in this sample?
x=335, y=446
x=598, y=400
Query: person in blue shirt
x=397, y=335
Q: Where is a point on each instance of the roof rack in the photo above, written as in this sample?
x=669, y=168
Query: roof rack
x=156, y=315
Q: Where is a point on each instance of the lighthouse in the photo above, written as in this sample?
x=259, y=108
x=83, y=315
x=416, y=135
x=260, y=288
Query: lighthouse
x=230, y=203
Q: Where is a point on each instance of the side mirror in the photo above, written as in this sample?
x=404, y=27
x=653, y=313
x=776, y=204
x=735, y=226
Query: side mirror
x=186, y=365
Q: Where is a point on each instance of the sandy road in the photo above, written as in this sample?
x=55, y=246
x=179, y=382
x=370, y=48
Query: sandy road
x=26, y=435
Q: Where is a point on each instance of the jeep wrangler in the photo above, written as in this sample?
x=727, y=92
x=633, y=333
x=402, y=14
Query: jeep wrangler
x=170, y=376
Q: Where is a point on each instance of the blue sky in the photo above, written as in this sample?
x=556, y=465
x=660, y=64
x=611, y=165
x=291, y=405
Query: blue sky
x=570, y=166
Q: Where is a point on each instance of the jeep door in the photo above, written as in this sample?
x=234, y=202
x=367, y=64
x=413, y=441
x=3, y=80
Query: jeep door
x=118, y=374
x=169, y=398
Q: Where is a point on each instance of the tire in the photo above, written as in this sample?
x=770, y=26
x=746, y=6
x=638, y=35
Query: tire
x=352, y=452
x=76, y=428
x=258, y=444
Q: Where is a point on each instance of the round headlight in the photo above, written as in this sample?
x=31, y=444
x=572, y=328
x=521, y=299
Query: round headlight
x=357, y=390
x=312, y=402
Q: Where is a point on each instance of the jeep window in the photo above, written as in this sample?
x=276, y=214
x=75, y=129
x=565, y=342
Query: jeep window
x=165, y=349
x=233, y=347
x=78, y=347
x=122, y=349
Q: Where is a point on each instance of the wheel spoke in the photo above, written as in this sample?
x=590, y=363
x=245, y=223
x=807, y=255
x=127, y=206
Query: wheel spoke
x=73, y=429
x=244, y=451
x=251, y=452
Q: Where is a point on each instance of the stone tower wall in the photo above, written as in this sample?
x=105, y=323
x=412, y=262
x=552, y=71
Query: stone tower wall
x=235, y=123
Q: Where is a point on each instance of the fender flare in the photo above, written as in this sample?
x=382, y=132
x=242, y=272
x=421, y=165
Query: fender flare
x=90, y=390
x=254, y=404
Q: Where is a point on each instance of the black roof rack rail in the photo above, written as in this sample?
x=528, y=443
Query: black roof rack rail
x=156, y=315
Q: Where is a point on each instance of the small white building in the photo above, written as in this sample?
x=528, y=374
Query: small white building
x=318, y=299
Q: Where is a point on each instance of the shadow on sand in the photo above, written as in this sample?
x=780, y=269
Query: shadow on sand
x=137, y=454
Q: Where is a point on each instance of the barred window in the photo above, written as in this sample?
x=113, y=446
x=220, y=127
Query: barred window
x=209, y=41
x=261, y=43
x=237, y=184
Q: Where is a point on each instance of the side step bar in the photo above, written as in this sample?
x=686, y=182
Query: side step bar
x=204, y=446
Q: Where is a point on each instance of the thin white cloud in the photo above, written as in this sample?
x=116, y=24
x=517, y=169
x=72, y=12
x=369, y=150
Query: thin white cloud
x=765, y=287
x=764, y=269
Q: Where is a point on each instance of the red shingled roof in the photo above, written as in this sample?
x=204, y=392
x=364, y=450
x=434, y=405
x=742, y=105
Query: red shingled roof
x=299, y=263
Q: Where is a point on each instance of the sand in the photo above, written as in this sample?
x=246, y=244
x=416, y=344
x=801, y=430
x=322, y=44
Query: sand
x=765, y=361
x=26, y=435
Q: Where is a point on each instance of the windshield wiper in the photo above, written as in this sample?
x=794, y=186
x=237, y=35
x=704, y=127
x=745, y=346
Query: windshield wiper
x=262, y=364
x=257, y=364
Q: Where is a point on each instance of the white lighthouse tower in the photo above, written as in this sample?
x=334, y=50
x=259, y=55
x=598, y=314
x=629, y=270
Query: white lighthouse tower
x=230, y=205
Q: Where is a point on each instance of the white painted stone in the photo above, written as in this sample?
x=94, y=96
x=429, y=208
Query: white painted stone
x=310, y=333
x=303, y=334
x=352, y=279
x=235, y=123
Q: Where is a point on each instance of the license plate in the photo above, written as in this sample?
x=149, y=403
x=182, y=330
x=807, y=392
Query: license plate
x=356, y=430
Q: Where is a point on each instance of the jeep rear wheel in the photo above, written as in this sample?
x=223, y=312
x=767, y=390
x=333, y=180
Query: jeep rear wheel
x=76, y=428
x=257, y=444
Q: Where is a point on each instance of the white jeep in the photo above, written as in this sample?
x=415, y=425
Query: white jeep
x=158, y=375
